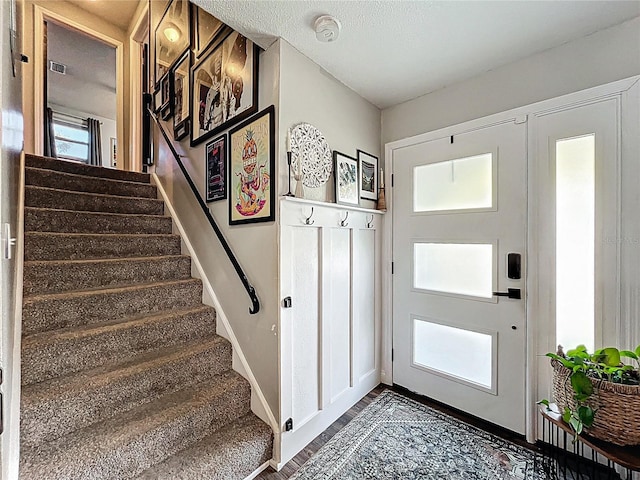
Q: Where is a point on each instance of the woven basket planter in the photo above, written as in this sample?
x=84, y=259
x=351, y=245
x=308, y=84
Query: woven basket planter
x=617, y=407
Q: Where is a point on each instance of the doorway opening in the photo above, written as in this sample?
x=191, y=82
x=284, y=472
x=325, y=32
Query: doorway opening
x=81, y=104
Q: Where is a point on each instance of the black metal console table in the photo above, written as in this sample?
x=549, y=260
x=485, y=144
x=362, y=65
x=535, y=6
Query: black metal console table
x=558, y=445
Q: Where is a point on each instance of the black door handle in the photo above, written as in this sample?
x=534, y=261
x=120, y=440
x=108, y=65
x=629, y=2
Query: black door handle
x=510, y=293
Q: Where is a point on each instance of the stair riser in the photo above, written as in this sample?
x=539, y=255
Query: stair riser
x=65, y=221
x=81, y=247
x=46, y=277
x=130, y=458
x=58, y=415
x=39, y=315
x=82, y=169
x=65, y=200
x=45, y=360
x=79, y=183
x=232, y=454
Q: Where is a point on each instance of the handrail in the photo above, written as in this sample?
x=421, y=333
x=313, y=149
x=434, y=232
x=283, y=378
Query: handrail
x=251, y=291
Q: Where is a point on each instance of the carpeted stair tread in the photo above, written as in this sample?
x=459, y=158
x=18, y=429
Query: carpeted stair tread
x=62, y=352
x=70, y=221
x=230, y=454
x=81, y=183
x=52, y=311
x=127, y=444
x=91, y=202
x=67, y=275
x=78, y=168
x=59, y=406
x=79, y=246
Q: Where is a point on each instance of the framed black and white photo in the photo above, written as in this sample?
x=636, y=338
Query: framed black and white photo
x=180, y=75
x=172, y=37
x=216, y=158
x=368, y=178
x=224, y=87
x=346, y=176
x=165, y=94
x=207, y=29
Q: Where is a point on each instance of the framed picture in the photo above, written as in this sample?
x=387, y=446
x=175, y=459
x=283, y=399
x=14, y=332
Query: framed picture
x=368, y=166
x=252, y=154
x=207, y=29
x=157, y=100
x=165, y=93
x=216, y=158
x=172, y=37
x=180, y=76
x=346, y=172
x=224, y=87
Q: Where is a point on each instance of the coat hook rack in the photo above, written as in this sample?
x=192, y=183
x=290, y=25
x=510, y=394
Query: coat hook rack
x=308, y=221
x=370, y=222
x=343, y=221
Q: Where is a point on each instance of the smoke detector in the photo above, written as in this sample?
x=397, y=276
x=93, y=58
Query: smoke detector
x=327, y=28
x=57, y=67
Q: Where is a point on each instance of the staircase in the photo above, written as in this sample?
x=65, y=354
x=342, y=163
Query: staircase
x=123, y=375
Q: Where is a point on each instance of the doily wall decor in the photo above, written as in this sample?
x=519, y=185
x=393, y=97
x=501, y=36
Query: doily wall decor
x=310, y=150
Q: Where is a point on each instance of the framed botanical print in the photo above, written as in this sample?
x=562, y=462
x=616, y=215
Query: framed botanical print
x=207, y=28
x=346, y=175
x=180, y=75
x=368, y=178
x=172, y=37
x=216, y=158
x=251, y=170
x=224, y=86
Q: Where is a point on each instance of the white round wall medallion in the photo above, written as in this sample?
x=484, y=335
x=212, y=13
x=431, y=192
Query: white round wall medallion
x=311, y=155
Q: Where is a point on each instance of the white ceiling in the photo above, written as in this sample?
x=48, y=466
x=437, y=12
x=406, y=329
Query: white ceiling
x=117, y=12
x=392, y=51
x=90, y=83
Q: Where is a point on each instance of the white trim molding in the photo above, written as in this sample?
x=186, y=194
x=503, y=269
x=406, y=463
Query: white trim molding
x=40, y=15
x=259, y=403
x=628, y=332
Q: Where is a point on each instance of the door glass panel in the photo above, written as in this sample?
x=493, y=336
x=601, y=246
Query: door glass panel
x=463, y=269
x=575, y=241
x=463, y=354
x=460, y=184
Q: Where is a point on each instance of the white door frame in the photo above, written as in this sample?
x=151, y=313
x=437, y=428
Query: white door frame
x=533, y=309
x=138, y=33
x=41, y=14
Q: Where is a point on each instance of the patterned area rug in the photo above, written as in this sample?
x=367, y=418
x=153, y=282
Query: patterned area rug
x=397, y=438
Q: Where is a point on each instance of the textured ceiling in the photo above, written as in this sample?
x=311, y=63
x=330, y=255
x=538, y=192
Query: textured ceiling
x=392, y=51
x=117, y=12
x=90, y=83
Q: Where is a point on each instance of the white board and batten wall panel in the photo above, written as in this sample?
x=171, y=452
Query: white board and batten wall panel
x=330, y=336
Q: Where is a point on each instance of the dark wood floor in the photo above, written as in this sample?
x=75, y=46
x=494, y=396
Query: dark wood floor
x=292, y=466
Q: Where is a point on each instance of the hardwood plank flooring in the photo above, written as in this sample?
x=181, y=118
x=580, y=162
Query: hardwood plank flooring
x=293, y=465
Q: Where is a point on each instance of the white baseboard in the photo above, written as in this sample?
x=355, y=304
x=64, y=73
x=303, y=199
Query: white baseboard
x=258, y=470
x=259, y=404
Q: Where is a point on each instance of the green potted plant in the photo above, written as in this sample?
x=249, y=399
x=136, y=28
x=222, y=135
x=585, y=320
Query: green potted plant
x=598, y=393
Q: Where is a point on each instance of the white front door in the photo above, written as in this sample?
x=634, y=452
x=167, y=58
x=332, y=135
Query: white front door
x=459, y=237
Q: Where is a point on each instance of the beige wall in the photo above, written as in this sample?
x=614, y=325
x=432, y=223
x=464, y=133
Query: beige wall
x=309, y=94
x=11, y=135
x=605, y=56
x=254, y=246
x=301, y=92
x=79, y=16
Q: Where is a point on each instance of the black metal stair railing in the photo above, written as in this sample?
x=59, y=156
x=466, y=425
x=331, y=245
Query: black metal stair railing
x=251, y=291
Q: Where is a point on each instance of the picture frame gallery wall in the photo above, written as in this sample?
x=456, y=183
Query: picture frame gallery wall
x=205, y=76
